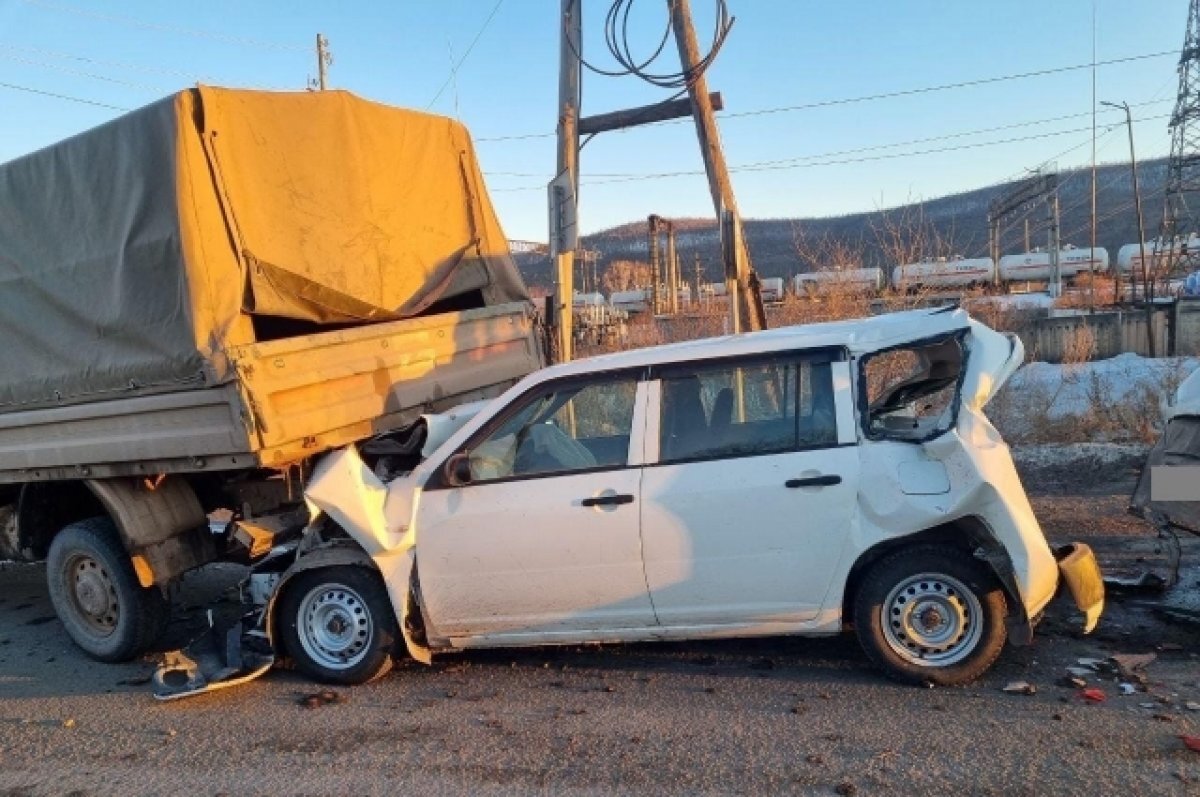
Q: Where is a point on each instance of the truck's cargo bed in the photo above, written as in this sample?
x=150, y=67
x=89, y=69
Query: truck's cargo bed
x=294, y=397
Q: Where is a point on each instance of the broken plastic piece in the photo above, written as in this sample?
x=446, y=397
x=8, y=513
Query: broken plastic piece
x=1192, y=743
x=216, y=660
x=1093, y=695
x=1128, y=689
x=1021, y=688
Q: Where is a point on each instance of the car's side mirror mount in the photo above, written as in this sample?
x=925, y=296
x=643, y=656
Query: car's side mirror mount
x=458, y=469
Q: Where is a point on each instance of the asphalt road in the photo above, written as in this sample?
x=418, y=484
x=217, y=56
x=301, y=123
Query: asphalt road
x=758, y=717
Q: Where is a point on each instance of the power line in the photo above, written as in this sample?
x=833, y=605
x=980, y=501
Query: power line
x=802, y=161
x=454, y=69
x=840, y=162
x=948, y=86
x=884, y=95
x=80, y=73
x=62, y=96
x=191, y=76
x=137, y=23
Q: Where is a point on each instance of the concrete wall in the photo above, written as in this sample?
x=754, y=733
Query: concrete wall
x=1055, y=339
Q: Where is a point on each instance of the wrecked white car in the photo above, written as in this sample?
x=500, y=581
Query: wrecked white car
x=796, y=481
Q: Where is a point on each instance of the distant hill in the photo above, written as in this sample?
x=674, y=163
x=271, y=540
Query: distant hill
x=949, y=225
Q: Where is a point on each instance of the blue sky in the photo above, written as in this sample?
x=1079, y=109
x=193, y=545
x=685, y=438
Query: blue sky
x=779, y=54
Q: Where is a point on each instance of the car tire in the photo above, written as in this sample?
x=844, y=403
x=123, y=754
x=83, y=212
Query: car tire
x=337, y=624
x=96, y=593
x=930, y=614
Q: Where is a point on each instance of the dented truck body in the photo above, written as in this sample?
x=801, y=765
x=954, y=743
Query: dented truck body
x=797, y=481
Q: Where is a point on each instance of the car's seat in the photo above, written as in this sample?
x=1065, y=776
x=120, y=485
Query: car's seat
x=687, y=422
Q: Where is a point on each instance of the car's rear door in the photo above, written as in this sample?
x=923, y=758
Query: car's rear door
x=542, y=545
x=749, y=500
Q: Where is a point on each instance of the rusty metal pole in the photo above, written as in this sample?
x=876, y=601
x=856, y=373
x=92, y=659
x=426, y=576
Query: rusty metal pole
x=714, y=159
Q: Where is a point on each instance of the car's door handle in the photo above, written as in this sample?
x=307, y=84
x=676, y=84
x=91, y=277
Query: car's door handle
x=815, y=481
x=608, y=500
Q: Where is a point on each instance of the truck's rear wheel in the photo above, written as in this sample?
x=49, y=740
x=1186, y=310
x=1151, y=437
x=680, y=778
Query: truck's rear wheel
x=337, y=624
x=96, y=594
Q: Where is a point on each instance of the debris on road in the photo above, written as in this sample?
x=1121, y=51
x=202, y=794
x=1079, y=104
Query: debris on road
x=1073, y=682
x=1128, y=689
x=1093, y=695
x=317, y=699
x=1020, y=688
x=1192, y=743
x=1129, y=665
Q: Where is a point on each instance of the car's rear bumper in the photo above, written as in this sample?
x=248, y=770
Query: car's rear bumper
x=1081, y=573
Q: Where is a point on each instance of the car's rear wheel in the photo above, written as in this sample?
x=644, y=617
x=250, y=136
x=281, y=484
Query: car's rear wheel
x=96, y=594
x=337, y=624
x=930, y=614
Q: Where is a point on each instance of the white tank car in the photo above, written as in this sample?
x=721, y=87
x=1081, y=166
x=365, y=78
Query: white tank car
x=771, y=289
x=944, y=273
x=1129, y=256
x=635, y=301
x=1036, y=265
x=855, y=280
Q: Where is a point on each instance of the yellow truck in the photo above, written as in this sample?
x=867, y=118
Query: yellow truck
x=201, y=296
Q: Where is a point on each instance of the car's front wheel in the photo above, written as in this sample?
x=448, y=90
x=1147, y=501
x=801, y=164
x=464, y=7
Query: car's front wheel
x=930, y=614
x=337, y=624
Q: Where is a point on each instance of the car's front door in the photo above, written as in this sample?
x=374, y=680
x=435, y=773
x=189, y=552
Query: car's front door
x=748, y=504
x=542, y=543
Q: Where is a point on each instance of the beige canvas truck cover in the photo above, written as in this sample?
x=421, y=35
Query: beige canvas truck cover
x=134, y=255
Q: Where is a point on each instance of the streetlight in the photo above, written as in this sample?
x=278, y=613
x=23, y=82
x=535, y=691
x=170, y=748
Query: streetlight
x=1137, y=199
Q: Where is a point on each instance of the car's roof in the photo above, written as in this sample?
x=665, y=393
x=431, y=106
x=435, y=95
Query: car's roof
x=858, y=336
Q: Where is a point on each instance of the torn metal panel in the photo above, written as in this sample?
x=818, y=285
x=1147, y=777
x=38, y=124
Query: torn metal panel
x=218, y=659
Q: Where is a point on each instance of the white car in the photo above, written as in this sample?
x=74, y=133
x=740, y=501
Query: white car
x=801, y=480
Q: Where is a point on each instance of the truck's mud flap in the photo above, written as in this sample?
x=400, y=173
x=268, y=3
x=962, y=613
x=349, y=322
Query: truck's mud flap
x=1079, y=569
x=218, y=659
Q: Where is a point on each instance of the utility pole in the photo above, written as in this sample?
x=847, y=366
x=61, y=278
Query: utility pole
x=564, y=187
x=1027, y=234
x=324, y=59
x=1055, y=287
x=714, y=165
x=672, y=272
x=652, y=246
x=1137, y=202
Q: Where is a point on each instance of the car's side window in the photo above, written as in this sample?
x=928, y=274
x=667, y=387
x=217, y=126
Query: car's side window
x=735, y=410
x=564, y=428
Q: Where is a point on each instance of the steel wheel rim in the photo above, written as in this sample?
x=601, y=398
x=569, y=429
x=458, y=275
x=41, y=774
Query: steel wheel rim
x=335, y=626
x=92, y=594
x=932, y=620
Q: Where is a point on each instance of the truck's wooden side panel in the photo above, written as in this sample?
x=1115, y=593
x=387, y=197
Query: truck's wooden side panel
x=323, y=391
x=293, y=398
x=197, y=429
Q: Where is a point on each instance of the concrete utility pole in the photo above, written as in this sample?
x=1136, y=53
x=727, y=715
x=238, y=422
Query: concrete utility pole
x=1027, y=234
x=324, y=59
x=714, y=165
x=652, y=248
x=672, y=272
x=565, y=186
x=1055, y=287
x=1137, y=202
